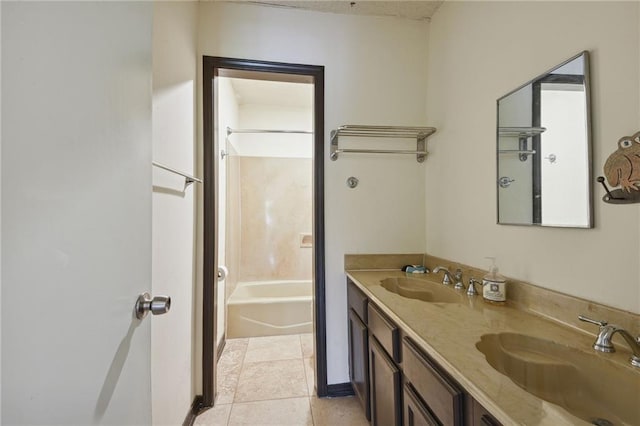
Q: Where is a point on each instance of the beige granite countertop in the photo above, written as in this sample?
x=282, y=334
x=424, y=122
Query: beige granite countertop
x=448, y=332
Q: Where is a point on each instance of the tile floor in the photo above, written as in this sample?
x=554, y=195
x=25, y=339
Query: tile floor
x=270, y=381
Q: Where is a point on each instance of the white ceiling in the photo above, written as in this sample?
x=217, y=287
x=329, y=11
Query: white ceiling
x=412, y=9
x=272, y=93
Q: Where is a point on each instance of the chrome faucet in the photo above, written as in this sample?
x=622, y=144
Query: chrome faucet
x=603, y=341
x=448, y=278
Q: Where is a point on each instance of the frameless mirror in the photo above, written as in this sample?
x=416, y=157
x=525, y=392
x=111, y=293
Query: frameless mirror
x=544, y=149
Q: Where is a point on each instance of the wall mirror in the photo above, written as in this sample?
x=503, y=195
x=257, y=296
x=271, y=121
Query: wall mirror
x=544, y=149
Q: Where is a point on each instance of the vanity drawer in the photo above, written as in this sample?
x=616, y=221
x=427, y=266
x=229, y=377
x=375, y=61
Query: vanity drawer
x=385, y=331
x=357, y=300
x=444, y=397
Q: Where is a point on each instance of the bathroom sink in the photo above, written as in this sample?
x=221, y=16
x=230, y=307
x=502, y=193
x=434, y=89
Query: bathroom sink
x=593, y=389
x=426, y=291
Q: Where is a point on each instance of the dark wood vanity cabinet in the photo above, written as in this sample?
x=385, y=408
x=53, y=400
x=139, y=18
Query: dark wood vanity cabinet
x=480, y=416
x=385, y=376
x=396, y=382
x=359, y=360
x=358, y=346
x=414, y=411
x=443, y=398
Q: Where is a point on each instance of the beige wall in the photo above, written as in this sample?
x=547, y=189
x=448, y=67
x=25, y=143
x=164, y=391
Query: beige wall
x=275, y=208
x=479, y=51
x=174, y=74
x=361, y=55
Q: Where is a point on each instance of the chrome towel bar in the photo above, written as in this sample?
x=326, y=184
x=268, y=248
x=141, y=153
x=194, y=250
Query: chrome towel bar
x=418, y=133
x=188, y=179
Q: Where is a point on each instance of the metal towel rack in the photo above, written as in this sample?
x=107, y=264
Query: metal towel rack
x=419, y=133
x=188, y=179
x=523, y=134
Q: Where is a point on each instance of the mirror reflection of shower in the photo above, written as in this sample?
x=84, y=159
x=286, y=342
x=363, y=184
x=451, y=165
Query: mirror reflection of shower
x=265, y=207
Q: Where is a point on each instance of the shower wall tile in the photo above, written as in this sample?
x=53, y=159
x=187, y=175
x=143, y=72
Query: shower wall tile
x=276, y=207
x=232, y=206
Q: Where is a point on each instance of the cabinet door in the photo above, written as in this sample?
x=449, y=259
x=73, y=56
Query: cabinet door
x=359, y=360
x=415, y=413
x=384, y=377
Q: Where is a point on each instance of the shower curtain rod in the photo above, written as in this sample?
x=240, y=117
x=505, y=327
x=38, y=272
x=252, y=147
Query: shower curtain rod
x=230, y=131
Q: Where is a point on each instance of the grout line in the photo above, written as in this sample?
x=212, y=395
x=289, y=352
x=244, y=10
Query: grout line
x=313, y=421
x=235, y=389
x=269, y=400
x=304, y=370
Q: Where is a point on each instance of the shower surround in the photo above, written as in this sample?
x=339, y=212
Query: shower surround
x=269, y=202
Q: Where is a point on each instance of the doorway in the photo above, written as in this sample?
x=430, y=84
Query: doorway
x=214, y=70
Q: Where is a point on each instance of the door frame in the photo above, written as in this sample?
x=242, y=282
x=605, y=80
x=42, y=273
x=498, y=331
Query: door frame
x=211, y=67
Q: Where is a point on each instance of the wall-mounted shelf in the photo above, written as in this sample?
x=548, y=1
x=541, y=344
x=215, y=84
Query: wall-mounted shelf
x=523, y=134
x=517, y=151
x=418, y=133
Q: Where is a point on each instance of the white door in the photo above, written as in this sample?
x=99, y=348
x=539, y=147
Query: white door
x=76, y=212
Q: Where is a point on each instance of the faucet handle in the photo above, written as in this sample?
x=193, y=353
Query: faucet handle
x=603, y=340
x=592, y=321
x=471, y=291
x=458, y=279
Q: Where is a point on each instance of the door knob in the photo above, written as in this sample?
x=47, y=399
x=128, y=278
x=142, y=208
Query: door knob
x=505, y=181
x=222, y=273
x=157, y=306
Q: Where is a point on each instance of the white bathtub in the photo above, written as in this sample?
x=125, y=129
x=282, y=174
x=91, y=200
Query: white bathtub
x=270, y=308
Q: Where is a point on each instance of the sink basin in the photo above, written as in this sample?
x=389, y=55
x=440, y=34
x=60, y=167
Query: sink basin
x=421, y=290
x=591, y=388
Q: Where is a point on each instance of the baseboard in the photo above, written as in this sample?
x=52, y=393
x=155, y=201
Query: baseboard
x=339, y=389
x=196, y=407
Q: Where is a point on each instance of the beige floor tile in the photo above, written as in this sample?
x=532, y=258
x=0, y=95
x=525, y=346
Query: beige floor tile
x=306, y=340
x=271, y=380
x=309, y=371
x=229, y=367
x=290, y=411
x=345, y=411
x=235, y=347
x=273, y=348
x=233, y=353
x=227, y=385
x=216, y=416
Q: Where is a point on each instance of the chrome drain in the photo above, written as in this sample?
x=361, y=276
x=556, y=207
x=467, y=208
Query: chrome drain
x=601, y=422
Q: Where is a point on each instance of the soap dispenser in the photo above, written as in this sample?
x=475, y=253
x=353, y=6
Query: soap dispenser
x=494, y=285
